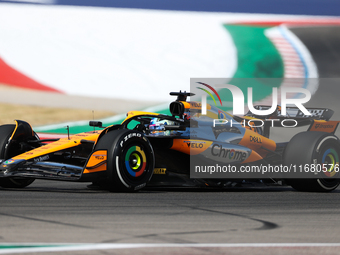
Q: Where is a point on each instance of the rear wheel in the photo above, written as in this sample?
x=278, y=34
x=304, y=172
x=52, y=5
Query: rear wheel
x=130, y=161
x=318, y=149
x=7, y=152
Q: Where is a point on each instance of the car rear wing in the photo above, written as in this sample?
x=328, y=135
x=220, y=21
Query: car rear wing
x=317, y=121
x=294, y=113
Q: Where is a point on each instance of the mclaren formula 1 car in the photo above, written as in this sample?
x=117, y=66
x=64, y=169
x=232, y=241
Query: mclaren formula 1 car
x=149, y=149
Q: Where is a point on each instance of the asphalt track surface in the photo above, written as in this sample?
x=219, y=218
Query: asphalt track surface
x=61, y=212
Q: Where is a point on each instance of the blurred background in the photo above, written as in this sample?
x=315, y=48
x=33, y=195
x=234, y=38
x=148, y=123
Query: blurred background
x=64, y=62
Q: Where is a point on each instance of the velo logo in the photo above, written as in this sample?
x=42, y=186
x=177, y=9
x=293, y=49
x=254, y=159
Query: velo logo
x=238, y=99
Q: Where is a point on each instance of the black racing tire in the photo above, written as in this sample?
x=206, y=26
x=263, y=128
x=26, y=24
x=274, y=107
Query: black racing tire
x=314, y=148
x=130, y=161
x=11, y=182
x=5, y=133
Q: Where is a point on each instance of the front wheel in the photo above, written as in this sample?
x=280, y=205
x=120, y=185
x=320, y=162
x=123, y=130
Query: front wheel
x=130, y=161
x=15, y=182
x=318, y=149
x=8, y=152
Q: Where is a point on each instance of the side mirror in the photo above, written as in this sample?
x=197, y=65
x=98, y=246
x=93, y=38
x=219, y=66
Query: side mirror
x=93, y=123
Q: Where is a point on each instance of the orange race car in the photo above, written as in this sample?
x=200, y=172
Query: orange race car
x=185, y=148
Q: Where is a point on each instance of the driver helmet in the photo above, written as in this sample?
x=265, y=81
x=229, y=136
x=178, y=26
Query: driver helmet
x=156, y=126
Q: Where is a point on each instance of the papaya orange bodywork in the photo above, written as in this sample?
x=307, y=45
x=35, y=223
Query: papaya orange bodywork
x=186, y=146
x=257, y=143
x=61, y=144
x=324, y=126
x=97, y=162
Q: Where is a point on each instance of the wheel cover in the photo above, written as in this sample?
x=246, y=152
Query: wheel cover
x=331, y=158
x=135, y=161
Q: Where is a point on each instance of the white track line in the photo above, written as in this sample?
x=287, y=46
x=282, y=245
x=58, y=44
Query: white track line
x=79, y=247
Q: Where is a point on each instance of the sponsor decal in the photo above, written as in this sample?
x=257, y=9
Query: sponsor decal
x=140, y=186
x=232, y=154
x=127, y=137
x=159, y=171
x=99, y=157
x=255, y=139
x=97, y=162
x=196, y=145
x=221, y=115
x=192, y=147
x=195, y=105
x=10, y=161
x=323, y=126
x=42, y=158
